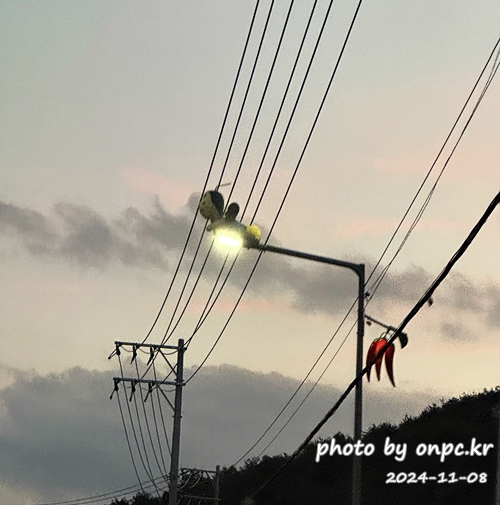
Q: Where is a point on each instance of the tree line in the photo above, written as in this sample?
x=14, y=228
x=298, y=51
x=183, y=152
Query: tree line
x=447, y=454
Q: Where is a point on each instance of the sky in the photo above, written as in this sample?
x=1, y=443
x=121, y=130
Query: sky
x=110, y=116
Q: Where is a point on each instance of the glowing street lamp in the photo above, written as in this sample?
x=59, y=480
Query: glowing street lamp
x=224, y=239
x=231, y=232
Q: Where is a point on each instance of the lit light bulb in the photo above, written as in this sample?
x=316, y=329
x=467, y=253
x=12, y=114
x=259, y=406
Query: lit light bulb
x=235, y=242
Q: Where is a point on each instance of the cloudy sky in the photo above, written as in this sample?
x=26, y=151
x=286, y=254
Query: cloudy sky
x=109, y=120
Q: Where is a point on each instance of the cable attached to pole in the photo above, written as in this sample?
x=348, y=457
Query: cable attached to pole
x=425, y=298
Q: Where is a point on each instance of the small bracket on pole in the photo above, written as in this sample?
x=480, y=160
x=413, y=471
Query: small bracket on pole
x=116, y=351
x=403, y=337
x=132, y=387
x=116, y=382
x=150, y=390
x=152, y=350
x=134, y=353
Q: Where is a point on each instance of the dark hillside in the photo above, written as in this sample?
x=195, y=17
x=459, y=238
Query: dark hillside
x=461, y=434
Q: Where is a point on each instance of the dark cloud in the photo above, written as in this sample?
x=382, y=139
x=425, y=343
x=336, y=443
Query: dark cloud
x=79, y=234
x=136, y=239
x=87, y=237
x=61, y=436
x=407, y=286
x=463, y=295
x=493, y=317
x=30, y=226
x=456, y=332
x=323, y=288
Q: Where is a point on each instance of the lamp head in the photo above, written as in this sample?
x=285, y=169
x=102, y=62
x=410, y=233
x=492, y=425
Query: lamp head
x=229, y=238
x=236, y=234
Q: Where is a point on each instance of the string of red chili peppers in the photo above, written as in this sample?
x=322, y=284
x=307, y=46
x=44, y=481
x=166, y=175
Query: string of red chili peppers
x=375, y=347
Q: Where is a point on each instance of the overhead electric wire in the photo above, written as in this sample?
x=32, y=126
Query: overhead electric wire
x=146, y=457
x=193, y=289
x=295, y=394
x=157, y=431
x=161, y=412
x=305, y=397
x=211, y=302
x=264, y=32
x=145, y=460
x=191, y=229
x=102, y=496
x=227, y=321
x=257, y=114
x=167, y=335
x=128, y=440
x=276, y=120
x=295, y=107
x=425, y=297
x=185, y=247
x=163, y=471
x=380, y=278
x=372, y=272
x=278, y=115
x=205, y=311
x=146, y=465
x=492, y=74
x=203, y=318
x=205, y=314
x=246, y=93
x=429, y=196
x=298, y=163
x=209, y=170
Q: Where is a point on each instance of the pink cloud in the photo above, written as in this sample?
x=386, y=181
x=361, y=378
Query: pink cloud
x=482, y=155
x=402, y=165
x=171, y=193
x=257, y=305
x=377, y=225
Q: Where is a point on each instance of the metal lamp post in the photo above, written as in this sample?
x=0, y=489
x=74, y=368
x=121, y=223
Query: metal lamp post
x=234, y=233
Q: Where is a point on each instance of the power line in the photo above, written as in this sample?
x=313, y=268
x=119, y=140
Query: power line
x=227, y=321
x=164, y=470
x=161, y=412
x=276, y=120
x=424, y=206
x=246, y=92
x=384, y=272
x=103, y=496
x=325, y=94
x=283, y=99
x=203, y=317
x=295, y=394
x=264, y=32
x=128, y=440
x=425, y=297
x=145, y=464
x=167, y=336
x=301, y=156
x=285, y=94
x=209, y=170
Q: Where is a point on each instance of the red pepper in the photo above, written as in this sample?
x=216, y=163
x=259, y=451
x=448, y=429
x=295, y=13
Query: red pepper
x=375, y=347
x=389, y=357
